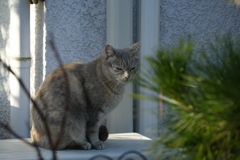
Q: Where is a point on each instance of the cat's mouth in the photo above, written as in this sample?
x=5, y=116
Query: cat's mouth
x=123, y=80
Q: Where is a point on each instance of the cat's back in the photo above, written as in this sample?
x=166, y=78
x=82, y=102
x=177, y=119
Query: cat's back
x=67, y=70
x=67, y=75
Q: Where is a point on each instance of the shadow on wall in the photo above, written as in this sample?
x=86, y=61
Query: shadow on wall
x=4, y=50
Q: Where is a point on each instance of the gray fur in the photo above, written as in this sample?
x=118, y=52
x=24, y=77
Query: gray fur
x=95, y=89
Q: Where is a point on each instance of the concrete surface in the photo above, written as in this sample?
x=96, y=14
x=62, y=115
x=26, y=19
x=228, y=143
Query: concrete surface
x=117, y=145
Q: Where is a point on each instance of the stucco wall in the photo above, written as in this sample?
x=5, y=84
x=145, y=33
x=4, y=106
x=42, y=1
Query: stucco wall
x=78, y=28
x=4, y=49
x=203, y=19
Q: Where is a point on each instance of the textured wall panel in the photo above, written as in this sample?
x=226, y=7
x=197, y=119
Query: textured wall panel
x=79, y=29
x=203, y=19
x=4, y=50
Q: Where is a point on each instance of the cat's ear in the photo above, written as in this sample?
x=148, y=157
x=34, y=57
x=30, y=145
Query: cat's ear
x=109, y=51
x=135, y=47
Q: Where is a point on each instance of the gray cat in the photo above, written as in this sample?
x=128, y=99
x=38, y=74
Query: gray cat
x=95, y=89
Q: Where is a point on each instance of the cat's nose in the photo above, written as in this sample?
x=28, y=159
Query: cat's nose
x=126, y=75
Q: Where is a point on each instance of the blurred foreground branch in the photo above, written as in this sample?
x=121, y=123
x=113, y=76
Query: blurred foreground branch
x=202, y=94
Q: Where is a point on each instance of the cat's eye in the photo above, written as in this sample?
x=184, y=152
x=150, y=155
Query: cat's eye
x=132, y=69
x=119, y=69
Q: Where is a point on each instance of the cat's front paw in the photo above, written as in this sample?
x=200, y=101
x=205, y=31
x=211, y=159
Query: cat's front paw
x=99, y=145
x=86, y=146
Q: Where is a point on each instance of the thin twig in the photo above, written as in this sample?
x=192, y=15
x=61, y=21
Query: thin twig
x=67, y=90
x=130, y=152
x=121, y=157
x=101, y=156
x=33, y=102
x=25, y=141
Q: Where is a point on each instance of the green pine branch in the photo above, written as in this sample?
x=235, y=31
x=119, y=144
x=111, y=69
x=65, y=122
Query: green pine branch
x=203, y=96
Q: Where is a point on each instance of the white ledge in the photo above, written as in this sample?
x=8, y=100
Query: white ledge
x=117, y=145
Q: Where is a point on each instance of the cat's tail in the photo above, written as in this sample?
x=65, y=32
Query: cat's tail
x=103, y=133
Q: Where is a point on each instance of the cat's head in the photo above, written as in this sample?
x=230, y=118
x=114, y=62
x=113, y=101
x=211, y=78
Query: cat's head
x=122, y=63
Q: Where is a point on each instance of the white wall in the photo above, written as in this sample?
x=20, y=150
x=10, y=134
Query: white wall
x=148, y=33
x=120, y=35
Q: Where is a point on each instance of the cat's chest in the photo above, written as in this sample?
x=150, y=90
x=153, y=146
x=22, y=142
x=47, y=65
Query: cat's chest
x=101, y=107
x=103, y=97
x=112, y=101
x=109, y=105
